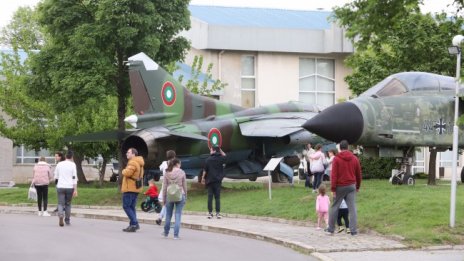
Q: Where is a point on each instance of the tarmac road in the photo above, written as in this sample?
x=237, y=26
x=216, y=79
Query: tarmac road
x=29, y=237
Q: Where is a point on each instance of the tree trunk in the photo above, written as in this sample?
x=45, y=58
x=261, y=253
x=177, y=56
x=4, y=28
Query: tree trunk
x=80, y=173
x=102, y=171
x=432, y=167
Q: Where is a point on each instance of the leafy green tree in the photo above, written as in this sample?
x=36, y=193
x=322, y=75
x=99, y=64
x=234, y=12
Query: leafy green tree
x=88, y=42
x=391, y=37
x=206, y=86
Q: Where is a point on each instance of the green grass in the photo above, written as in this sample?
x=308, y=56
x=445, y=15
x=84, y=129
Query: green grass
x=419, y=214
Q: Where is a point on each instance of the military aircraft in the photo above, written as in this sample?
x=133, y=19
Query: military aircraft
x=405, y=110
x=169, y=117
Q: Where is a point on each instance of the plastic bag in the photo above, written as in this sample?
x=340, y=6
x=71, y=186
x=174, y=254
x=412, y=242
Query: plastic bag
x=32, y=194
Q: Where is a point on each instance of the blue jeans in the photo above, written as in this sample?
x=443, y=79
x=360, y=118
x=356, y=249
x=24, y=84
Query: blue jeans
x=169, y=208
x=129, y=201
x=317, y=179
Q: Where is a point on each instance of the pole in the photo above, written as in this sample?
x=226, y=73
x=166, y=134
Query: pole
x=270, y=180
x=455, y=142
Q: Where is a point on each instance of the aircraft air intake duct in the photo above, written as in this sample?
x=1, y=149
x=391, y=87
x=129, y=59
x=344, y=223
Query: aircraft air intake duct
x=144, y=142
x=327, y=123
x=300, y=137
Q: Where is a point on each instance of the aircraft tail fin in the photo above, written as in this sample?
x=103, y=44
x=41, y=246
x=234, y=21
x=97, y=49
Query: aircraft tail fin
x=160, y=97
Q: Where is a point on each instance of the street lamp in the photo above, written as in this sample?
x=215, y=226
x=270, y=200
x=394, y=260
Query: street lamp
x=455, y=50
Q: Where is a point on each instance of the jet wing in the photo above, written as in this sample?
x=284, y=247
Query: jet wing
x=273, y=125
x=112, y=135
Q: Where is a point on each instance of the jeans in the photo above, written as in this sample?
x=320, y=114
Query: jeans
x=129, y=201
x=214, y=189
x=42, y=196
x=317, y=179
x=178, y=214
x=64, y=202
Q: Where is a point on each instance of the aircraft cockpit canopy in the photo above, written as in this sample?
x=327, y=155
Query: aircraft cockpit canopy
x=400, y=83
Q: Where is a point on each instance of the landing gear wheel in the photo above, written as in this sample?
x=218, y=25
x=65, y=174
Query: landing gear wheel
x=396, y=180
x=253, y=178
x=411, y=181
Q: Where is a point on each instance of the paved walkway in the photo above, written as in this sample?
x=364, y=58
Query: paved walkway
x=296, y=235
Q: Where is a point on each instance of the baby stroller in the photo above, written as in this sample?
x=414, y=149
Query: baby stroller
x=151, y=206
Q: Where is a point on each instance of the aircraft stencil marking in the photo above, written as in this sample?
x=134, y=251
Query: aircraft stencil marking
x=168, y=94
x=214, y=138
x=440, y=126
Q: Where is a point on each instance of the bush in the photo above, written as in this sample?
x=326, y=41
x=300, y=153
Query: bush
x=377, y=168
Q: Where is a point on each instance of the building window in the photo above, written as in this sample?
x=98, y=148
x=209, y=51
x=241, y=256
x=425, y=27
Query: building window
x=24, y=156
x=446, y=159
x=317, y=81
x=419, y=163
x=248, y=81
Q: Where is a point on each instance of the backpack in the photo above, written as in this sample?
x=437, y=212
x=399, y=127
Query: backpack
x=173, y=191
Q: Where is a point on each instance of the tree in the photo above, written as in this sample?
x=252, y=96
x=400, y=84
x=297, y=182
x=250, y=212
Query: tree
x=393, y=36
x=208, y=85
x=88, y=42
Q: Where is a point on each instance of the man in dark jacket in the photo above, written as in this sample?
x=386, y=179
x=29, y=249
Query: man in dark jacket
x=345, y=181
x=213, y=174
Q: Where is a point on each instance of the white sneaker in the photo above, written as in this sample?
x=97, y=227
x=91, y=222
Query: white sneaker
x=39, y=213
x=45, y=214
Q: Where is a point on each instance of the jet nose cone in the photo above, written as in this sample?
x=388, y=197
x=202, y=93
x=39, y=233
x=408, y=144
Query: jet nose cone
x=343, y=121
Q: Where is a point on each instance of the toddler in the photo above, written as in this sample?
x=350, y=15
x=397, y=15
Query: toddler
x=322, y=207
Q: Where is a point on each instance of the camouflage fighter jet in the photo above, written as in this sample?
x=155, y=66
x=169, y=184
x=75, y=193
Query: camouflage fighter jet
x=169, y=117
x=405, y=110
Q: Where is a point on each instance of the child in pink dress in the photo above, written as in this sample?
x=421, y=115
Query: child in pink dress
x=322, y=207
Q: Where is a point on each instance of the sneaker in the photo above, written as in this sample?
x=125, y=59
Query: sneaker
x=354, y=234
x=137, y=227
x=39, y=213
x=45, y=214
x=130, y=229
x=340, y=229
x=61, y=222
x=329, y=233
x=176, y=238
x=348, y=231
x=218, y=216
x=68, y=223
x=318, y=228
x=158, y=221
x=164, y=235
x=210, y=216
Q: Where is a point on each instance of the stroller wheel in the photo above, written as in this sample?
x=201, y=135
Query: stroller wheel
x=144, y=207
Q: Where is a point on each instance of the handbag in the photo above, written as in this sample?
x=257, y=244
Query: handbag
x=32, y=193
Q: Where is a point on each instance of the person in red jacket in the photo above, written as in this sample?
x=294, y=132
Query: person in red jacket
x=345, y=181
x=152, y=192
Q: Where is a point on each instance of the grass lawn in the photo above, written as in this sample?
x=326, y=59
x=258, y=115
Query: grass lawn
x=419, y=214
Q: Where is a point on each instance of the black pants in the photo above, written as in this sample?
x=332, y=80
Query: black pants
x=214, y=189
x=343, y=213
x=42, y=196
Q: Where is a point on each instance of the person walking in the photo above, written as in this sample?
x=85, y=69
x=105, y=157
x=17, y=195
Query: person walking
x=130, y=174
x=344, y=183
x=59, y=157
x=213, y=174
x=170, y=154
x=66, y=174
x=42, y=175
x=175, y=177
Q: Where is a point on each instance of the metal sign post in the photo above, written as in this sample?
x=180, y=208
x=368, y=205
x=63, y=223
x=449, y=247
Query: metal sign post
x=271, y=166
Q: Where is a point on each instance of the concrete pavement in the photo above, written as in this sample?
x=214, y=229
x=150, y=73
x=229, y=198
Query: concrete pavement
x=300, y=236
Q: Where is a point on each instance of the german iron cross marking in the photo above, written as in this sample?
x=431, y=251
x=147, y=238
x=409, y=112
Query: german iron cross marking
x=440, y=126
